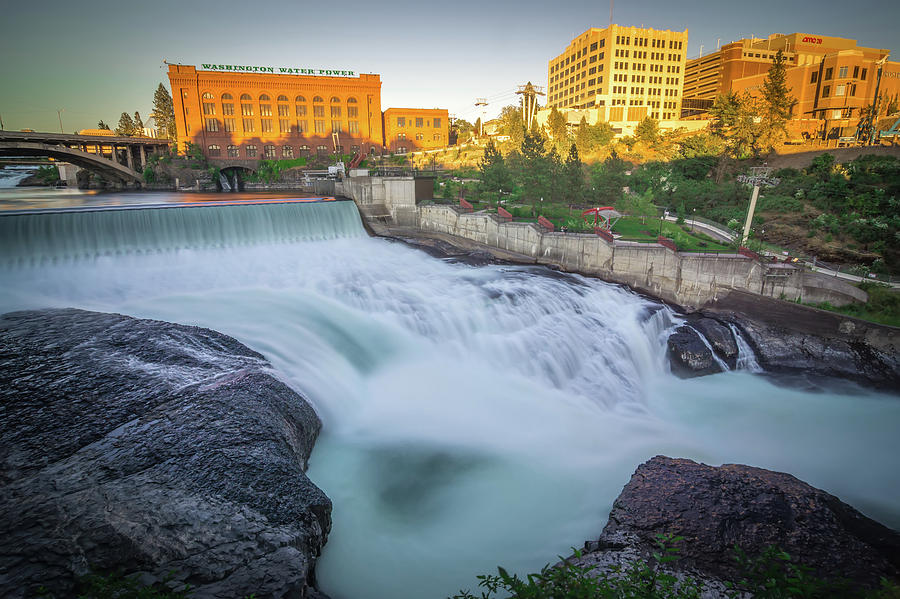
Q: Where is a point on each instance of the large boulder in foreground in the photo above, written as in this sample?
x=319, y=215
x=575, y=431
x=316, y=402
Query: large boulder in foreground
x=149, y=447
x=716, y=508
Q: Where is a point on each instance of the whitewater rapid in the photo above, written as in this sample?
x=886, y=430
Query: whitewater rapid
x=473, y=415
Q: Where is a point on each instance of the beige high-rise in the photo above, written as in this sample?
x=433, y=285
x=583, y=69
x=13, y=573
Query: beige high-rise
x=631, y=72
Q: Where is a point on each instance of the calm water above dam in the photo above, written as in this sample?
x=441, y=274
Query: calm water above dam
x=473, y=415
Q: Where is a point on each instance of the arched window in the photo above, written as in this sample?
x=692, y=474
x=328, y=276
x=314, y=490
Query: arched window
x=352, y=110
x=227, y=96
x=207, y=96
x=233, y=152
x=283, y=108
x=335, y=99
x=209, y=107
x=318, y=109
x=245, y=97
x=287, y=151
x=301, y=106
x=214, y=150
x=282, y=98
x=265, y=98
x=299, y=99
x=351, y=100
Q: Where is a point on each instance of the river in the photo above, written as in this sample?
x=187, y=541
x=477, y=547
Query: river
x=473, y=415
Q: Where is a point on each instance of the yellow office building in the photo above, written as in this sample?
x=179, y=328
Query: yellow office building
x=627, y=73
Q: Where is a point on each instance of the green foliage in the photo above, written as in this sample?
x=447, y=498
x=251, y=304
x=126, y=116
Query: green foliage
x=734, y=121
x=269, y=171
x=573, y=177
x=495, y=176
x=164, y=112
x=777, y=103
x=608, y=179
x=194, y=154
x=883, y=305
x=102, y=125
x=48, y=175
x=556, y=127
x=639, y=580
x=591, y=137
x=149, y=175
x=647, y=131
x=126, y=126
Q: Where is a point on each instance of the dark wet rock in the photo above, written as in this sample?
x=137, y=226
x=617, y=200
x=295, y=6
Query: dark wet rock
x=716, y=508
x=689, y=356
x=150, y=447
x=794, y=339
x=720, y=338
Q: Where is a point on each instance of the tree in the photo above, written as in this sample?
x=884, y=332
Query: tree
x=126, y=125
x=495, y=175
x=647, y=130
x=138, y=123
x=556, y=127
x=461, y=131
x=103, y=126
x=476, y=129
x=536, y=173
x=734, y=119
x=777, y=103
x=590, y=137
x=511, y=125
x=164, y=112
x=573, y=179
x=608, y=179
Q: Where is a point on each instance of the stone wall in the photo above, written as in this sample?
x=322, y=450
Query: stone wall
x=685, y=278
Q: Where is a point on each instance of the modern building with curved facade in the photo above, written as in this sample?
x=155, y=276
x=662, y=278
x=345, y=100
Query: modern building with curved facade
x=250, y=113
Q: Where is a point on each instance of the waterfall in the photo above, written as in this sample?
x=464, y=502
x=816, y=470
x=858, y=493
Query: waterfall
x=76, y=234
x=11, y=175
x=472, y=415
x=236, y=186
x=746, y=358
x=223, y=180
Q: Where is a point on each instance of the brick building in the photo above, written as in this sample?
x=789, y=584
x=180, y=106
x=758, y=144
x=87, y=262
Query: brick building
x=831, y=78
x=264, y=112
x=411, y=129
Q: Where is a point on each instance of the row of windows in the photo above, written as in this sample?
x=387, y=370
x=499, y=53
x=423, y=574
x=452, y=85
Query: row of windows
x=269, y=151
x=421, y=136
x=420, y=122
x=840, y=90
x=578, y=54
x=267, y=98
x=284, y=126
x=842, y=74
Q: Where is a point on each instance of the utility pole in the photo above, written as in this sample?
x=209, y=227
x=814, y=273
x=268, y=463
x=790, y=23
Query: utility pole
x=480, y=104
x=59, y=116
x=529, y=95
x=759, y=176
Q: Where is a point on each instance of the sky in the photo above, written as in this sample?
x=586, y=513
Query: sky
x=94, y=59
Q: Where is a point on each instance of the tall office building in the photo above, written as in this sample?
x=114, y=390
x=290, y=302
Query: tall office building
x=626, y=72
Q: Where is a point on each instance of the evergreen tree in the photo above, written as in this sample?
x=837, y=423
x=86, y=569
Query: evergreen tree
x=138, y=123
x=535, y=173
x=103, y=126
x=495, y=175
x=164, y=112
x=647, y=130
x=573, y=181
x=556, y=126
x=734, y=119
x=477, y=127
x=777, y=102
x=608, y=178
x=126, y=125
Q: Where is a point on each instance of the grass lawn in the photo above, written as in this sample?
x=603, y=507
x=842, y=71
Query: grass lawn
x=883, y=306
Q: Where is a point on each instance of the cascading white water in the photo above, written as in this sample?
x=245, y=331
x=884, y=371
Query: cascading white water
x=223, y=181
x=723, y=366
x=746, y=358
x=473, y=416
x=12, y=175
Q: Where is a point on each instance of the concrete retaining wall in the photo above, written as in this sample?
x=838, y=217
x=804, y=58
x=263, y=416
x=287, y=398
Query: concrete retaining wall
x=687, y=279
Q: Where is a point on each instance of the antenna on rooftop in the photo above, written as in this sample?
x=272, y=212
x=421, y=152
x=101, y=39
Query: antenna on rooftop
x=610, y=11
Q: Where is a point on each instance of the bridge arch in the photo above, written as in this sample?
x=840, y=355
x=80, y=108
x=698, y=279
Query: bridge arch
x=92, y=162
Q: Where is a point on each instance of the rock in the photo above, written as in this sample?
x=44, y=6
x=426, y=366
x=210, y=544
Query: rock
x=689, y=356
x=716, y=508
x=795, y=339
x=150, y=448
x=720, y=338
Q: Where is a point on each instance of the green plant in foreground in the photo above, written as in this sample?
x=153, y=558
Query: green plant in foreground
x=639, y=580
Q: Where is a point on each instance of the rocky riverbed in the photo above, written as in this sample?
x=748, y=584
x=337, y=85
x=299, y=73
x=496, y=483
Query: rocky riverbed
x=151, y=448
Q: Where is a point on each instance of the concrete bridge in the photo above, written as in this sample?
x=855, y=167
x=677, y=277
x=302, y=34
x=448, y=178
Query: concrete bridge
x=120, y=159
